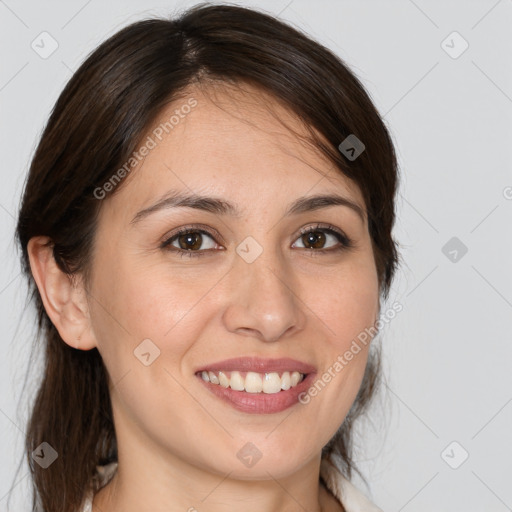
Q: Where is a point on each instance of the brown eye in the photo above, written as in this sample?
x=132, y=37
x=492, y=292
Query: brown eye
x=316, y=237
x=189, y=242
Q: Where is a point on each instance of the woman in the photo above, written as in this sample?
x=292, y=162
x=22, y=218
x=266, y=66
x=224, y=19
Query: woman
x=206, y=228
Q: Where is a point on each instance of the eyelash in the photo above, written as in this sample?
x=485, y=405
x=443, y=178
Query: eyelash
x=345, y=241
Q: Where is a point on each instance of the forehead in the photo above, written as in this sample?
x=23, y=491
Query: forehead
x=231, y=142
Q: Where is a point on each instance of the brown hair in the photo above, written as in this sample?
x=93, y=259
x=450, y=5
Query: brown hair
x=96, y=124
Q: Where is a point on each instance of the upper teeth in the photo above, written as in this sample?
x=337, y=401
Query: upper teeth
x=254, y=382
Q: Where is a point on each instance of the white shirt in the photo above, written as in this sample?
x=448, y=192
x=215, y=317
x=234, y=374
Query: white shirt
x=352, y=499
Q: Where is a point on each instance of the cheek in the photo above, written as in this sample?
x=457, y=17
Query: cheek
x=149, y=302
x=346, y=304
x=145, y=299
x=148, y=313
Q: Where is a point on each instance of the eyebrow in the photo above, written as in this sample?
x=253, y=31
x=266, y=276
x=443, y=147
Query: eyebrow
x=176, y=199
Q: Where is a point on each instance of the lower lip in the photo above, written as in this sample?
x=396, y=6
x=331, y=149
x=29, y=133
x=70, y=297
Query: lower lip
x=260, y=403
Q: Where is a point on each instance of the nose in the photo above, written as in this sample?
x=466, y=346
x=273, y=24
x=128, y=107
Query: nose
x=263, y=301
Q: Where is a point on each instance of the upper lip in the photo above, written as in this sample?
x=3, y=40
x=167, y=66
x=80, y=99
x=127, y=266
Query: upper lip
x=259, y=365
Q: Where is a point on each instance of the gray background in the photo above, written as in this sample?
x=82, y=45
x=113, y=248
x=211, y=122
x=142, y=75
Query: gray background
x=447, y=354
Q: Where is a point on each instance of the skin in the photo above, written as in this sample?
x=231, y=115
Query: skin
x=177, y=443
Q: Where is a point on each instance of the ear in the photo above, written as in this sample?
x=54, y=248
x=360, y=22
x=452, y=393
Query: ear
x=64, y=302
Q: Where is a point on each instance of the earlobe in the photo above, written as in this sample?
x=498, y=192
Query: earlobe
x=63, y=300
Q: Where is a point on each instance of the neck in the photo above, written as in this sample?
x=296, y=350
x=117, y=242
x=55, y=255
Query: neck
x=145, y=490
x=166, y=489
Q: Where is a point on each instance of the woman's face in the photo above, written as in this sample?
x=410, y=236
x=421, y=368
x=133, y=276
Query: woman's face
x=250, y=286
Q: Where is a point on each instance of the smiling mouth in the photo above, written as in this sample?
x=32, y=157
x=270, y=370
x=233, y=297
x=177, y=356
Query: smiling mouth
x=254, y=382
